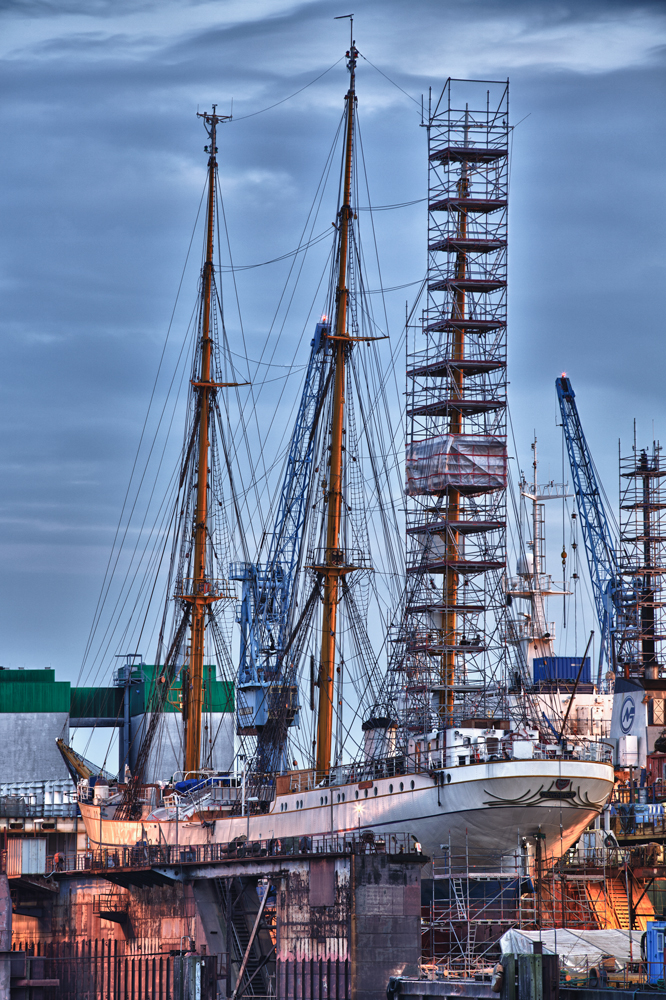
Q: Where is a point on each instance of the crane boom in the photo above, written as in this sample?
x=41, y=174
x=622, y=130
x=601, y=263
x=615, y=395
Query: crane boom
x=268, y=605
x=77, y=765
x=600, y=541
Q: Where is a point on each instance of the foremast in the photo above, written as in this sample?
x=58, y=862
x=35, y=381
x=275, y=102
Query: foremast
x=333, y=566
x=200, y=592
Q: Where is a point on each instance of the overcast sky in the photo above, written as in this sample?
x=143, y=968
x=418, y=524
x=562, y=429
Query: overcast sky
x=100, y=180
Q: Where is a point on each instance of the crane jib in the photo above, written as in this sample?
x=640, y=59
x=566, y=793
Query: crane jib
x=600, y=543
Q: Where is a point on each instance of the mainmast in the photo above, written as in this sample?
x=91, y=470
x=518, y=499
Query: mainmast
x=451, y=579
x=333, y=565
x=456, y=422
x=200, y=592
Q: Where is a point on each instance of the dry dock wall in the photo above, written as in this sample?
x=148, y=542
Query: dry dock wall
x=333, y=928
x=386, y=924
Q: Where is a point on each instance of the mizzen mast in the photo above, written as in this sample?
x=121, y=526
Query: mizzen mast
x=333, y=566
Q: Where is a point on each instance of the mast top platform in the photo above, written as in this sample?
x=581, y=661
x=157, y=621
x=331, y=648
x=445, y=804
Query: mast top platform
x=212, y=117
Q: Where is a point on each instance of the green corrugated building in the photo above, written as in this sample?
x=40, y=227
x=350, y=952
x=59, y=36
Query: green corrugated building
x=35, y=710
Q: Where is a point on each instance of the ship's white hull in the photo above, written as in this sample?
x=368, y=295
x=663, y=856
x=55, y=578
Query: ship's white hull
x=487, y=806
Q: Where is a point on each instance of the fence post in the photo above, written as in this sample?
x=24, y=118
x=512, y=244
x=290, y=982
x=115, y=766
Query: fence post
x=530, y=977
x=509, y=984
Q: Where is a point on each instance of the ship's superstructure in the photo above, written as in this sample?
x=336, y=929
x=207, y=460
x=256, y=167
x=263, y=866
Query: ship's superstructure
x=532, y=584
x=559, y=688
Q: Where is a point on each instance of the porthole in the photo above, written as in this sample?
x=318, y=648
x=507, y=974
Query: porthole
x=390, y=788
x=321, y=801
x=357, y=795
x=412, y=784
x=338, y=796
x=402, y=787
x=343, y=796
x=376, y=789
x=366, y=793
x=448, y=778
x=326, y=800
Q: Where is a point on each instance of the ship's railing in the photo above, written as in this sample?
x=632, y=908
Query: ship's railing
x=527, y=583
x=297, y=781
x=517, y=631
x=148, y=795
x=149, y=855
x=460, y=755
x=578, y=749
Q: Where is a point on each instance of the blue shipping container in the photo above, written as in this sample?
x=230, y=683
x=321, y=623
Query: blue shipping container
x=561, y=668
x=654, y=951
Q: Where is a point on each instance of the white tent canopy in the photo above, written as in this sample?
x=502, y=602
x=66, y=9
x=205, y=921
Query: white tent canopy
x=578, y=950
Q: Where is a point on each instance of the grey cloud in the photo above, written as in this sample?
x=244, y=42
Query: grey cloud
x=98, y=190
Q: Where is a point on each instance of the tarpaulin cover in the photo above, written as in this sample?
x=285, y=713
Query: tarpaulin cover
x=468, y=462
x=579, y=951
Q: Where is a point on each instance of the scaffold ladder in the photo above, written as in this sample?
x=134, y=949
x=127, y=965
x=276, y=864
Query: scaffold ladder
x=459, y=897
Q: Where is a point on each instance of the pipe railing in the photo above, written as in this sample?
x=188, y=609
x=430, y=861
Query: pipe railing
x=150, y=855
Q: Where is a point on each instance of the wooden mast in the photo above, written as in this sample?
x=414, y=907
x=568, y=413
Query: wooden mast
x=334, y=560
x=200, y=592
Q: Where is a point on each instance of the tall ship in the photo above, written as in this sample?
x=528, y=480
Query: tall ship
x=372, y=686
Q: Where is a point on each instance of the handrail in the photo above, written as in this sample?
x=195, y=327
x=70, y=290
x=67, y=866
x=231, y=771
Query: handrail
x=148, y=855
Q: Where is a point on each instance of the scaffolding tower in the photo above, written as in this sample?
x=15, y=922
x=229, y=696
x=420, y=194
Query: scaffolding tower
x=474, y=901
x=456, y=462
x=642, y=621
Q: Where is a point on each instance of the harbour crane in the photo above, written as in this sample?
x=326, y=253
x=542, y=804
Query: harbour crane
x=601, y=542
x=268, y=604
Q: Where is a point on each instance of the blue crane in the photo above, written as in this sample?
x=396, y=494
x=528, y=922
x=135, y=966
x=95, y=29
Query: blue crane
x=600, y=541
x=267, y=610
